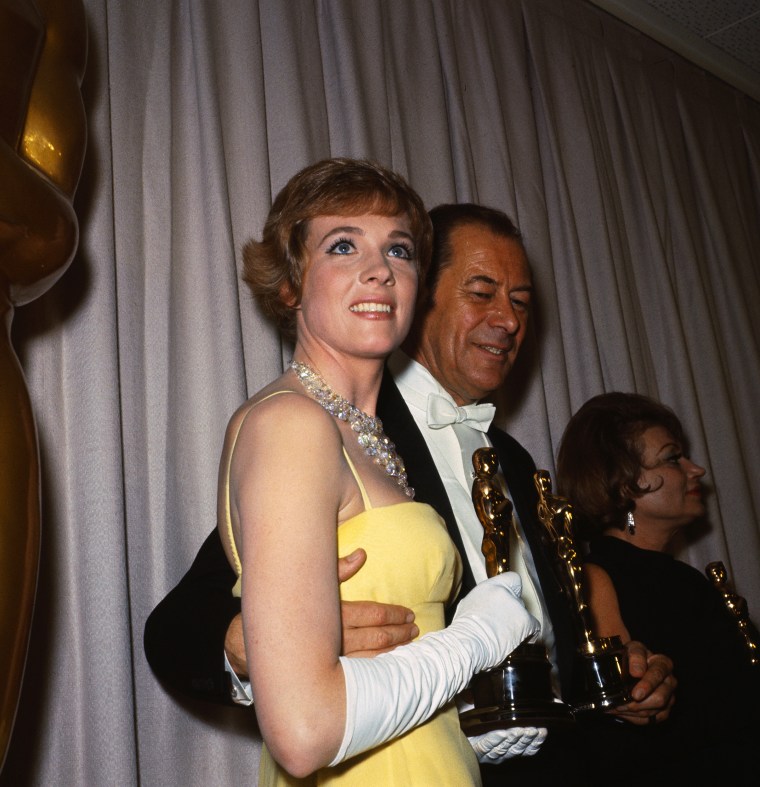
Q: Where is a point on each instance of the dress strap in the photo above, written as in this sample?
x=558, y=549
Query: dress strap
x=365, y=496
x=227, y=506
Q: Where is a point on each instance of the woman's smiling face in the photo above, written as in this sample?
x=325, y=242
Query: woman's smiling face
x=359, y=283
x=675, y=498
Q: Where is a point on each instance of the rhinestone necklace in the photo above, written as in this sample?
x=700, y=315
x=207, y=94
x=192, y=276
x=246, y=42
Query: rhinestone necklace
x=369, y=430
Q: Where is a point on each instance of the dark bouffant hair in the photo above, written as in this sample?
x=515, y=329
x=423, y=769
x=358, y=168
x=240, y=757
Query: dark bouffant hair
x=600, y=457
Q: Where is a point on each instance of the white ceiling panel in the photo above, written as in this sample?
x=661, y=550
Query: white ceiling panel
x=721, y=36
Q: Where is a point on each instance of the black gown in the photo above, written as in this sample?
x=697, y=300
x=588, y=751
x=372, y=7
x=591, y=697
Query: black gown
x=714, y=726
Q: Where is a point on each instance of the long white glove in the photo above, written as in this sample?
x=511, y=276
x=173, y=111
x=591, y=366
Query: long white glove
x=498, y=745
x=390, y=694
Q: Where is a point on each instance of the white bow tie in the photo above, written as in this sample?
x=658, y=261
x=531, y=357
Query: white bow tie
x=441, y=412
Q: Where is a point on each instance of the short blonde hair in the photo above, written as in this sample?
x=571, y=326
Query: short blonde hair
x=273, y=267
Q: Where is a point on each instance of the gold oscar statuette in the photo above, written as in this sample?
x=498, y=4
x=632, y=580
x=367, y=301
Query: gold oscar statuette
x=519, y=691
x=737, y=606
x=604, y=659
x=43, y=48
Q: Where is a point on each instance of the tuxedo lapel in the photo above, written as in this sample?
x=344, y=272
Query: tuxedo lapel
x=400, y=426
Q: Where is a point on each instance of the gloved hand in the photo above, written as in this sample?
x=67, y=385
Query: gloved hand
x=390, y=694
x=476, y=615
x=498, y=745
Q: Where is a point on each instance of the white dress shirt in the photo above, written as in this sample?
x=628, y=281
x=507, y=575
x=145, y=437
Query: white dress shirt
x=416, y=383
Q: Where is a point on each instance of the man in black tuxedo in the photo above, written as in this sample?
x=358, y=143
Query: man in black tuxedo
x=464, y=343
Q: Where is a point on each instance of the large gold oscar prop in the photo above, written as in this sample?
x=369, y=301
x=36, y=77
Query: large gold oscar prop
x=737, y=606
x=518, y=692
x=604, y=659
x=43, y=47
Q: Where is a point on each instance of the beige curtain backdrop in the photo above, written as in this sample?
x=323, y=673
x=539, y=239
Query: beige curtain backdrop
x=633, y=175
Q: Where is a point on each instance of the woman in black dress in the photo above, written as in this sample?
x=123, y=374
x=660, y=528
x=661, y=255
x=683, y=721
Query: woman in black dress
x=622, y=464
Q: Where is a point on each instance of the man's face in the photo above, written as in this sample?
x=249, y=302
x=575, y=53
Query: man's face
x=470, y=337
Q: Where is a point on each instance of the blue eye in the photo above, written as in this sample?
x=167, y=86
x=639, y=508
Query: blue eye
x=402, y=251
x=341, y=246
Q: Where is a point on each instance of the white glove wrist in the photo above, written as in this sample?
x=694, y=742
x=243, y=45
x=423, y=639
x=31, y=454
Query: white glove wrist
x=499, y=745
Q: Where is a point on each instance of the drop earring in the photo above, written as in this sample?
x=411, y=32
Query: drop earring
x=631, y=524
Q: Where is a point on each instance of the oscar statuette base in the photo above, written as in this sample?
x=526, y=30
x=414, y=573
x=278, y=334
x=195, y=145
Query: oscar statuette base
x=517, y=693
x=608, y=681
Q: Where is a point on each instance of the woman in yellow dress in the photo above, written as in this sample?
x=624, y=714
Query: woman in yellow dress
x=307, y=474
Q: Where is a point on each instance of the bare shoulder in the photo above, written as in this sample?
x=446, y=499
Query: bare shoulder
x=601, y=591
x=280, y=419
x=597, y=576
x=603, y=601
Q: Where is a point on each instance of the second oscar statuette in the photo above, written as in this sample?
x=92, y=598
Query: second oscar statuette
x=604, y=659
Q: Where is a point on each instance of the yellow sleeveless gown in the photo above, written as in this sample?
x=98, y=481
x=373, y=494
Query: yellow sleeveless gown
x=411, y=561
